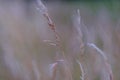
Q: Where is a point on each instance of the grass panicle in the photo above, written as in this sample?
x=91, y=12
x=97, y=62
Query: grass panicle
x=57, y=42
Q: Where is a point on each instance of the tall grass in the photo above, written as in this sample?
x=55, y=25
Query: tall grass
x=41, y=48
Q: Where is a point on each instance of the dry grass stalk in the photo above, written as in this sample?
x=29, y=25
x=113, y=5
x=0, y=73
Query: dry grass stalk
x=57, y=42
x=82, y=71
x=108, y=66
x=77, y=25
x=44, y=11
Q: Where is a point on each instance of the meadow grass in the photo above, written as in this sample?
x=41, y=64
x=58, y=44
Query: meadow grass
x=41, y=48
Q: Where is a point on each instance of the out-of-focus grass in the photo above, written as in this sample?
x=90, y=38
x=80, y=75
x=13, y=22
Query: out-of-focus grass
x=22, y=34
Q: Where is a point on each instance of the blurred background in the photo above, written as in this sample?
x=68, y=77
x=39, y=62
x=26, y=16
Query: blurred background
x=24, y=54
